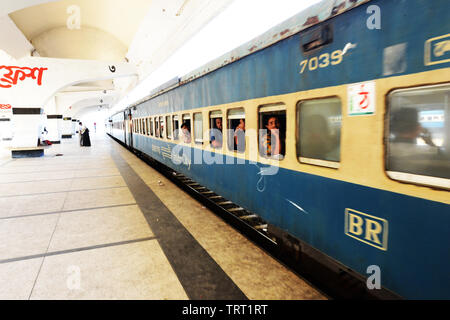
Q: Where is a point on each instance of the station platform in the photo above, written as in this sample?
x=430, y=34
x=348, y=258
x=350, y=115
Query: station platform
x=99, y=223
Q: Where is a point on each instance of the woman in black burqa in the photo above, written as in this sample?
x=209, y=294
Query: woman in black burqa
x=85, y=139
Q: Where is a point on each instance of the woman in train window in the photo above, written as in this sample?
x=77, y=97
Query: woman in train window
x=239, y=136
x=272, y=145
x=186, y=132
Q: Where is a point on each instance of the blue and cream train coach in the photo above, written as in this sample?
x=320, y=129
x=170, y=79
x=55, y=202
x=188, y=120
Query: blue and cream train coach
x=354, y=96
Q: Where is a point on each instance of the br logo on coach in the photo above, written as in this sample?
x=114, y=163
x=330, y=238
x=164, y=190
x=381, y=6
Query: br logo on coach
x=367, y=228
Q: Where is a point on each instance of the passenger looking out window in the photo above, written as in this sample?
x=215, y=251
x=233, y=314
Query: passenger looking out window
x=186, y=132
x=216, y=133
x=236, y=130
x=239, y=136
x=272, y=133
x=175, y=128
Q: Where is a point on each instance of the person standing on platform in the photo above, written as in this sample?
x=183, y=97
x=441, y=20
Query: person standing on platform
x=80, y=128
x=85, y=139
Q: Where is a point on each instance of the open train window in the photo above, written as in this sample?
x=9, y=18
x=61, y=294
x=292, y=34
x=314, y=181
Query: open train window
x=147, y=127
x=418, y=135
x=157, y=134
x=236, y=130
x=169, y=127
x=319, y=123
x=186, y=128
x=272, y=131
x=151, y=126
x=198, y=128
x=176, y=127
x=216, y=129
x=162, y=127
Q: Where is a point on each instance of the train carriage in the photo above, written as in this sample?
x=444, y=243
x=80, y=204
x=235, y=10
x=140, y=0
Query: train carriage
x=360, y=91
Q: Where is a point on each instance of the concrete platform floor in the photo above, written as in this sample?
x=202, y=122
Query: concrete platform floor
x=80, y=226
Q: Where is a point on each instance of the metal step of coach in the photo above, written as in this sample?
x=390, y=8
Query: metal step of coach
x=245, y=217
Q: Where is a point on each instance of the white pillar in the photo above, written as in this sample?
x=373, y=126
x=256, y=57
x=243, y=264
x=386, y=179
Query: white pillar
x=28, y=124
x=67, y=128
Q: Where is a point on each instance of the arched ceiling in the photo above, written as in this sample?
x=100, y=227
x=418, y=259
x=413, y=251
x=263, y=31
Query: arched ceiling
x=143, y=33
x=102, y=22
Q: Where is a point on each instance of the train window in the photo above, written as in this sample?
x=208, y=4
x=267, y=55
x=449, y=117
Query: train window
x=176, y=127
x=147, y=131
x=169, y=127
x=236, y=130
x=157, y=134
x=272, y=131
x=215, y=125
x=319, y=123
x=198, y=128
x=418, y=135
x=162, y=127
x=186, y=128
x=151, y=126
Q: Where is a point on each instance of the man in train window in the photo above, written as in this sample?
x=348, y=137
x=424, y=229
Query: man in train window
x=216, y=134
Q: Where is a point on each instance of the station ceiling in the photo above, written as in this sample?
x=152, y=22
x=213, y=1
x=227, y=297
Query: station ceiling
x=142, y=32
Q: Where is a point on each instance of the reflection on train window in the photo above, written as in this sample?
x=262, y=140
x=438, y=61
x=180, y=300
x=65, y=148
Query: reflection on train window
x=272, y=131
x=319, y=125
x=198, y=128
x=169, y=127
x=162, y=127
x=157, y=131
x=186, y=128
x=176, y=127
x=418, y=140
x=236, y=130
x=151, y=126
x=216, y=129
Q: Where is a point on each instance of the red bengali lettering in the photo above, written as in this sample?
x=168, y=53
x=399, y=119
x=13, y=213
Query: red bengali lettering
x=11, y=75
